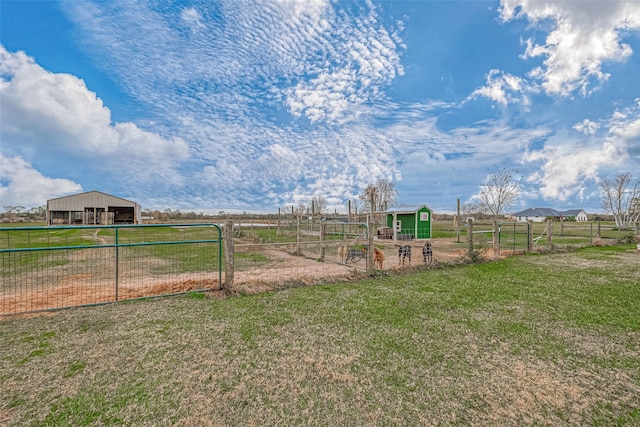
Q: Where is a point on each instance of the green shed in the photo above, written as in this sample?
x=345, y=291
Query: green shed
x=408, y=223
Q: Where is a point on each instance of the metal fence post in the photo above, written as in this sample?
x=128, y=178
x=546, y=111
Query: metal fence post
x=228, y=254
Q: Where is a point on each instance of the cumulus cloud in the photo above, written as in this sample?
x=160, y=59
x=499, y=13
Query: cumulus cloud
x=584, y=36
x=55, y=114
x=22, y=185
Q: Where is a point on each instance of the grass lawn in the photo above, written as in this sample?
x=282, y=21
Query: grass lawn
x=548, y=339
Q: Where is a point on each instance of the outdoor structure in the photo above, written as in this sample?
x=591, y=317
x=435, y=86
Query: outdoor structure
x=92, y=208
x=543, y=214
x=407, y=223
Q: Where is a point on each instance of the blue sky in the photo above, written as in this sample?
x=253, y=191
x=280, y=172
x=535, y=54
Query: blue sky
x=255, y=105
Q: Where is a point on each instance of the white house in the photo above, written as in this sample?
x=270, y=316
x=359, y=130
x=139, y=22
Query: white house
x=542, y=214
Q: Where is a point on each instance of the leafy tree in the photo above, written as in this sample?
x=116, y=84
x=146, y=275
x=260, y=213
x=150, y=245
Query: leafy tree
x=621, y=198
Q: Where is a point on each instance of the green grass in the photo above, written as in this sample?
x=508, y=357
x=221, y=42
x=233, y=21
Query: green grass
x=532, y=340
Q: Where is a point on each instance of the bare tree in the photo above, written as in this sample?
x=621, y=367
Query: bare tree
x=384, y=193
x=621, y=198
x=499, y=192
x=319, y=204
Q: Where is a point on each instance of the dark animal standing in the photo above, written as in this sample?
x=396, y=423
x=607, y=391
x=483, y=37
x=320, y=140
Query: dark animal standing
x=427, y=252
x=404, y=252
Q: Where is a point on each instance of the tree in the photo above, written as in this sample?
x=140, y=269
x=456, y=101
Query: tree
x=384, y=194
x=620, y=197
x=319, y=204
x=499, y=192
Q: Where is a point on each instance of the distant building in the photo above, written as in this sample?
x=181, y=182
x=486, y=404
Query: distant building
x=92, y=208
x=407, y=223
x=542, y=214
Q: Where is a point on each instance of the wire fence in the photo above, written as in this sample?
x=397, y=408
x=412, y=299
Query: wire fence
x=47, y=268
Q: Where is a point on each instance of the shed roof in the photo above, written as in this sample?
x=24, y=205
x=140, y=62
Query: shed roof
x=546, y=212
x=404, y=209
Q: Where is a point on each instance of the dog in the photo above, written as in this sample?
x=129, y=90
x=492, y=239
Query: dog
x=404, y=252
x=342, y=254
x=378, y=258
x=427, y=252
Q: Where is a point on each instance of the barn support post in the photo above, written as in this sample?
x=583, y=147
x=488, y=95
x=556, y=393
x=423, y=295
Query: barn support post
x=549, y=233
x=470, y=237
x=228, y=254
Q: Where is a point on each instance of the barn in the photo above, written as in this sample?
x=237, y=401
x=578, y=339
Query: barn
x=92, y=208
x=408, y=223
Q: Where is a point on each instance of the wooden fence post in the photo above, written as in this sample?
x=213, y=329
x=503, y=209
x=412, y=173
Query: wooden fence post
x=470, y=237
x=496, y=238
x=322, y=238
x=598, y=235
x=549, y=233
x=228, y=254
x=530, y=235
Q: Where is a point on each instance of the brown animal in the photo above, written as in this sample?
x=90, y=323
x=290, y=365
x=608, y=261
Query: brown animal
x=378, y=258
x=342, y=254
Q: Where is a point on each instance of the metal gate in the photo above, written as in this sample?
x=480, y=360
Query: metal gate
x=48, y=268
x=513, y=237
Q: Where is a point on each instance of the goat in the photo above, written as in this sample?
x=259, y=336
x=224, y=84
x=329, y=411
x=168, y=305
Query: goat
x=378, y=258
x=427, y=252
x=404, y=252
x=342, y=254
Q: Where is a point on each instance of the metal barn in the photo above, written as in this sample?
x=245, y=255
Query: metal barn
x=408, y=223
x=92, y=208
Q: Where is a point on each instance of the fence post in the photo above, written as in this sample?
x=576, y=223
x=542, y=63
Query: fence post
x=529, y=235
x=470, y=237
x=549, y=233
x=591, y=235
x=370, y=265
x=322, y=244
x=228, y=255
x=496, y=238
x=562, y=226
x=598, y=235
x=637, y=228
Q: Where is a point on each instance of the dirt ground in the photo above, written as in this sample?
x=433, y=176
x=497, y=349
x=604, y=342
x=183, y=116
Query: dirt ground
x=78, y=289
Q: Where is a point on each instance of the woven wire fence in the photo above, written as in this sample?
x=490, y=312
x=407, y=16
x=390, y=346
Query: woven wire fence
x=267, y=257
x=48, y=268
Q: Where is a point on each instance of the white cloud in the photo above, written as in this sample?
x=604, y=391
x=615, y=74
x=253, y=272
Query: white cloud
x=584, y=36
x=192, y=17
x=503, y=88
x=22, y=185
x=587, y=127
x=53, y=113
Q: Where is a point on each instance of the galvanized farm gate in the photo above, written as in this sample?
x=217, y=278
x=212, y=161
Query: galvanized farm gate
x=514, y=237
x=48, y=268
